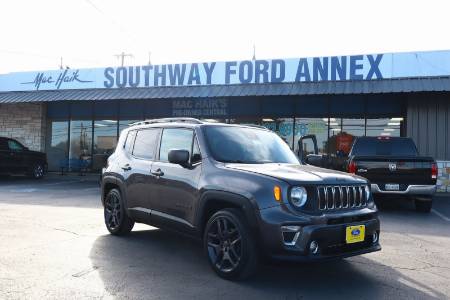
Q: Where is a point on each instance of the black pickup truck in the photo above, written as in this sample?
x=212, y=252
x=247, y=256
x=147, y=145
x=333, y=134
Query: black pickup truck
x=394, y=169
x=391, y=164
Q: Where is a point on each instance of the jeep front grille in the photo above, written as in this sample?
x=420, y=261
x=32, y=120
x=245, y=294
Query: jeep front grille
x=341, y=197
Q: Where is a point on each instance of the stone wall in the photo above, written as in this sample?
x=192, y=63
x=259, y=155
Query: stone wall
x=25, y=122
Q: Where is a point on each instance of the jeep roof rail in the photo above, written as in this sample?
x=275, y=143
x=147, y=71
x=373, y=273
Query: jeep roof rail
x=168, y=120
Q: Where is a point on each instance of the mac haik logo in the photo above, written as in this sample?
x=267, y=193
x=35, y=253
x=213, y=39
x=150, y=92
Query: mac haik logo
x=56, y=82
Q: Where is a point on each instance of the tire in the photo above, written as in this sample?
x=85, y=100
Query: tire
x=229, y=245
x=37, y=171
x=116, y=219
x=423, y=206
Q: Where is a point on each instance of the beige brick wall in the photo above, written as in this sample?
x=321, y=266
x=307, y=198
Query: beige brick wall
x=25, y=122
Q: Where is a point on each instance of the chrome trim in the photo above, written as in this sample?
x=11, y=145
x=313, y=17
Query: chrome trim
x=162, y=215
x=410, y=190
x=355, y=197
x=296, y=229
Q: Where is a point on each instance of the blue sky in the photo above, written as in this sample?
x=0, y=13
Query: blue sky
x=88, y=33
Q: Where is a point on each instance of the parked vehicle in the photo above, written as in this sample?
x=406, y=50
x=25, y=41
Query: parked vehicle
x=17, y=159
x=394, y=168
x=240, y=189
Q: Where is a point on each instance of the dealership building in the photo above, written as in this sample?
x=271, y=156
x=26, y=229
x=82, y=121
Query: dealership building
x=77, y=114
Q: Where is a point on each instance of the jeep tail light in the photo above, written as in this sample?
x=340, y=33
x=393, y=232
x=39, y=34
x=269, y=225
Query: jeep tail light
x=352, y=167
x=434, y=171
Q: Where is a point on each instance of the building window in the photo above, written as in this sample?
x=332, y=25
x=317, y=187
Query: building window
x=105, y=140
x=125, y=124
x=57, y=144
x=80, y=155
x=384, y=126
x=312, y=126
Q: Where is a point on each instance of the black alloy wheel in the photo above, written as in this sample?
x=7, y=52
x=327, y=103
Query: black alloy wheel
x=229, y=245
x=116, y=220
x=38, y=171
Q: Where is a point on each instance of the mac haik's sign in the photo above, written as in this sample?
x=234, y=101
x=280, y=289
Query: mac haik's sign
x=333, y=68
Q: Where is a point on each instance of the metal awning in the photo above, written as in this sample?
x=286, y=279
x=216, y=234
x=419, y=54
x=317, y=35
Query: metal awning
x=404, y=85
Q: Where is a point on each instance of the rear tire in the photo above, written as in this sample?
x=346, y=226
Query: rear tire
x=116, y=219
x=423, y=206
x=229, y=245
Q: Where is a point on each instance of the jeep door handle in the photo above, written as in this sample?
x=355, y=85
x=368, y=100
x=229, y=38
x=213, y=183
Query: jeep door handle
x=127, y=167
x=158, y=173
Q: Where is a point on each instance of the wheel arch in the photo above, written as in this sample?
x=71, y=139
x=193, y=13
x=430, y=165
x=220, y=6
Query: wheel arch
x=213, y=201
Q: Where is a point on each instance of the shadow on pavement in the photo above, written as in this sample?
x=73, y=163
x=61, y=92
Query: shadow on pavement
x=161, y=264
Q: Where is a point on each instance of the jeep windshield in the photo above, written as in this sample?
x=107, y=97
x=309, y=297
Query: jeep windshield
x=232, y=144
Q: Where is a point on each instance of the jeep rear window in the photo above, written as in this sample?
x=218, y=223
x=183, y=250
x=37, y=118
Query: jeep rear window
x=384, y=147
x=247, y=145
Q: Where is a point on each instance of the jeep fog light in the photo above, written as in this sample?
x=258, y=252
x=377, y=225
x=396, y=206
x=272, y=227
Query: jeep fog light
x=314, y=247
x=298, y=196
x=375, y=237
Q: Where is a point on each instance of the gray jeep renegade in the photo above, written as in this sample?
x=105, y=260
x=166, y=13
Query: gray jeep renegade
x=240, y=190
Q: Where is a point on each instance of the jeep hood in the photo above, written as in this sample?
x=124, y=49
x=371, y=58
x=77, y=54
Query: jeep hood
x=295, y=174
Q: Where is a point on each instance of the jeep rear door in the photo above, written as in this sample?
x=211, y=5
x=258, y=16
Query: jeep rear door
x=137, y=168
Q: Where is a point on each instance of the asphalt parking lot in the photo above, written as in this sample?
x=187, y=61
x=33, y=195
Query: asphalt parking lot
x=53, y=244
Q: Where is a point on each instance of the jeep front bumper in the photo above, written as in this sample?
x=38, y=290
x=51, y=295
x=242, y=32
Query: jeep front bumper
x=290, y=239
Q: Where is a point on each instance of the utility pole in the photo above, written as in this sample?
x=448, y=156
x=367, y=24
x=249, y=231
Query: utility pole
x=254, y=52
x=61, y=64
x=122, y=56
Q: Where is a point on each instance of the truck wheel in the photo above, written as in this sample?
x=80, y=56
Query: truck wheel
x=116, y=219
x=423, y=205
x=229, y=245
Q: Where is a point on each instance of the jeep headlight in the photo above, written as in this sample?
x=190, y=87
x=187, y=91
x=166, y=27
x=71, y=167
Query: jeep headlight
x=299, y=196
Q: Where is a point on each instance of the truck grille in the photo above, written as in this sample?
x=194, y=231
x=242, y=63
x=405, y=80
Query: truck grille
x=340, y=197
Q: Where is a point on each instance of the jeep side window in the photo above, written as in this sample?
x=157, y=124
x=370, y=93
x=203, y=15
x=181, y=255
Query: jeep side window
x=175, y=138
x=196, y=155
x=145, y=143
x=128, y=145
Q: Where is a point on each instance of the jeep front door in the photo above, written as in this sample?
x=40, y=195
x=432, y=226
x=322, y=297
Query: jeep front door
x=176, y=186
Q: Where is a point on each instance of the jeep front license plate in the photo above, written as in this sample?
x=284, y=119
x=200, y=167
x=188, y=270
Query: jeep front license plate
x=355, y=234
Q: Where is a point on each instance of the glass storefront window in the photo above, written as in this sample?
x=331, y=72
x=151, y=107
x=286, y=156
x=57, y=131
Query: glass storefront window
x=125, y=123
x=384, y=126
x=105, y=140
x=56, y=144
x=80, y=155
x=284, y=127
x=312, y=126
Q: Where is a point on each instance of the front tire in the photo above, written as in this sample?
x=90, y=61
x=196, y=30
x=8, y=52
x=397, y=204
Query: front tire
x=37, y=171
x=423, y=206
x=229, y=245
x=116, y=219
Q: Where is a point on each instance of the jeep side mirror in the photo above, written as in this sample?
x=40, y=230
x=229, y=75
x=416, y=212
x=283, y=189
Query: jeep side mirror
x=180, y=157
x=314, y=159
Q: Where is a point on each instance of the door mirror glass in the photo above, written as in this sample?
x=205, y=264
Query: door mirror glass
x=180, y=157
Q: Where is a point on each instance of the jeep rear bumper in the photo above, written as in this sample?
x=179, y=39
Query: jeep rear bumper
x=410, y=190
